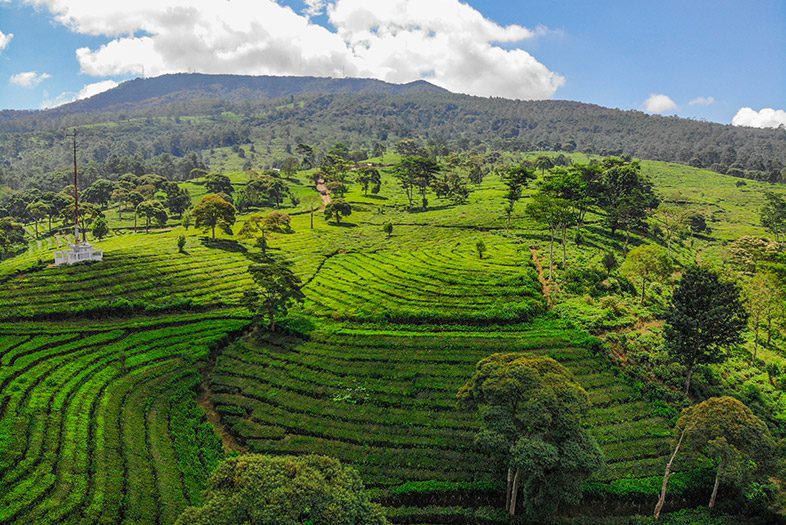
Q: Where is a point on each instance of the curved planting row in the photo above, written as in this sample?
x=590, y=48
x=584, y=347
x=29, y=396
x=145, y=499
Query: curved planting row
x=135, y=270
x=426, y=286
x=99, y=420
x=385, y=402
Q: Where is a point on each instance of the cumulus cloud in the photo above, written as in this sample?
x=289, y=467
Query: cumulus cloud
x=702, y=101
x=5, y=39
x=28, y=79
x=659, y=104
x=765, y=118
x=446, y=42
x=314, y=7
x=87, y=91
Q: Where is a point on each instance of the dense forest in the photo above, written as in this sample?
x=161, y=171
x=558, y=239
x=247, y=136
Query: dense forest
x=148, y=125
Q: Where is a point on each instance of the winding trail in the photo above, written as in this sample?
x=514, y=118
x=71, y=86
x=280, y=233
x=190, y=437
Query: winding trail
x=323, y=192
x=544, y=282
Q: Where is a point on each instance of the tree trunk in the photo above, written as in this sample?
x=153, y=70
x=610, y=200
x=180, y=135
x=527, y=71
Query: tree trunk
x=666, y=476
x=643, y=289
x=509, y=491
x=551, y=255
x=687, y=380
x=514, y=494
x=213, y=229
x=564, y=242
x=714, y=495
x=312, y=218
x=271, y=313
x=769, y=330
x=36, y=229
x=756, y=338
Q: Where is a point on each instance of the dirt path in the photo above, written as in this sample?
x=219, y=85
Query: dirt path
x=544, y=283
x=323, y=192
x=229, y=442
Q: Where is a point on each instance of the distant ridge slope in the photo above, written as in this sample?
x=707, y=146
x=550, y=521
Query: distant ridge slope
x=234, y=88
x=322, y=111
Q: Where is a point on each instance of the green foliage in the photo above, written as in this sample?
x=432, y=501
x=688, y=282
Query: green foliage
x=276, y=289
x=739, y=443
x=181, y=243
x=284, y=490
x=706, y=318
x=337, y=209
x=153, y=212
x=531, y=412
x=214, y=212
x=100, y=228
x=648, y=263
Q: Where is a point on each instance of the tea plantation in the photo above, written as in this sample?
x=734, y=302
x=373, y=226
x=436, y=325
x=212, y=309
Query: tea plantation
x=102, y=364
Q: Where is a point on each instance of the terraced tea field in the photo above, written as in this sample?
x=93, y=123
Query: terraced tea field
x=383, y=398
x=98, y=419
x=138, y=272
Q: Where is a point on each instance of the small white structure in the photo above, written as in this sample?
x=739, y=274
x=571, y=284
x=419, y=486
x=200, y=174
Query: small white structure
x=79, y=252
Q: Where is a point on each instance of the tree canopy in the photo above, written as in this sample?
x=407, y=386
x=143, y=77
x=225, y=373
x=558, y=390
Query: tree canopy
x=212, y=212
x=284, y=490
x=706, y=318
x=531, y=412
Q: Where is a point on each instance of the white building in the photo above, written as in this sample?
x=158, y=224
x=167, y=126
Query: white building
x=79, y=252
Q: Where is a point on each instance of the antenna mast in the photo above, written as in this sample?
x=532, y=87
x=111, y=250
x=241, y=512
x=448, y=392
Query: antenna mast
x=76, y=198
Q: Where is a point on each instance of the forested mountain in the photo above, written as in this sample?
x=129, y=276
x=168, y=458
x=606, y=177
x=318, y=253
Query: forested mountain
x=145, y=118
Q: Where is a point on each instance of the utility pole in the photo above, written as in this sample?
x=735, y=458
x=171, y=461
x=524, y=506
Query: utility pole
x=76, y=197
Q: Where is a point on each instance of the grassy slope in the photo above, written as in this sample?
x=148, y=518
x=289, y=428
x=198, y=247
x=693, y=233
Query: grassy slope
x=360, y=275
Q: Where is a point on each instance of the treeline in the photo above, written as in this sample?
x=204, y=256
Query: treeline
x=193, y=120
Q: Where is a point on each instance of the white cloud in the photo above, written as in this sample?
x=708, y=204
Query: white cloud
x=95, y=88
x=87, y=91
x=314, y=7
x=444, y=41
x=28, y=79
x=702, y=101
x=5, y=39
x=765, y=118
x=659, y=104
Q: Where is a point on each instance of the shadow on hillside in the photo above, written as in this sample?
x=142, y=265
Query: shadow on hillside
x=227, y=245
x=344, y=224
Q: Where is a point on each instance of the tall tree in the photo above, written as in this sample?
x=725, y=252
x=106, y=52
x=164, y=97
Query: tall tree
x=773, y=214
x=765, y=301
x=217, y=183
x=625, y=194
x=648, y=263
x=516, y=178
x=369, y=178
x=277, y=490
x=725, y=431
x=673, y=220
x=153, y=212
x=557, y=215
x=337, y=209
x=706, y=318
x=37, y=211
x=275, y=289
x=214, y=211
x=531, y=412
x=416, y=174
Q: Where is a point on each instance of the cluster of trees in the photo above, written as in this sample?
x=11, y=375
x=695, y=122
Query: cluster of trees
x=418, y=174
x=613, y=186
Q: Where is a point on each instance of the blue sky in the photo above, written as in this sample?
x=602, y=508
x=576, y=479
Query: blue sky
x=614, y=53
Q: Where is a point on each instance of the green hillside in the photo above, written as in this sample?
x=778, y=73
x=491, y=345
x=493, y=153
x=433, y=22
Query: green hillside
x=102, y=365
